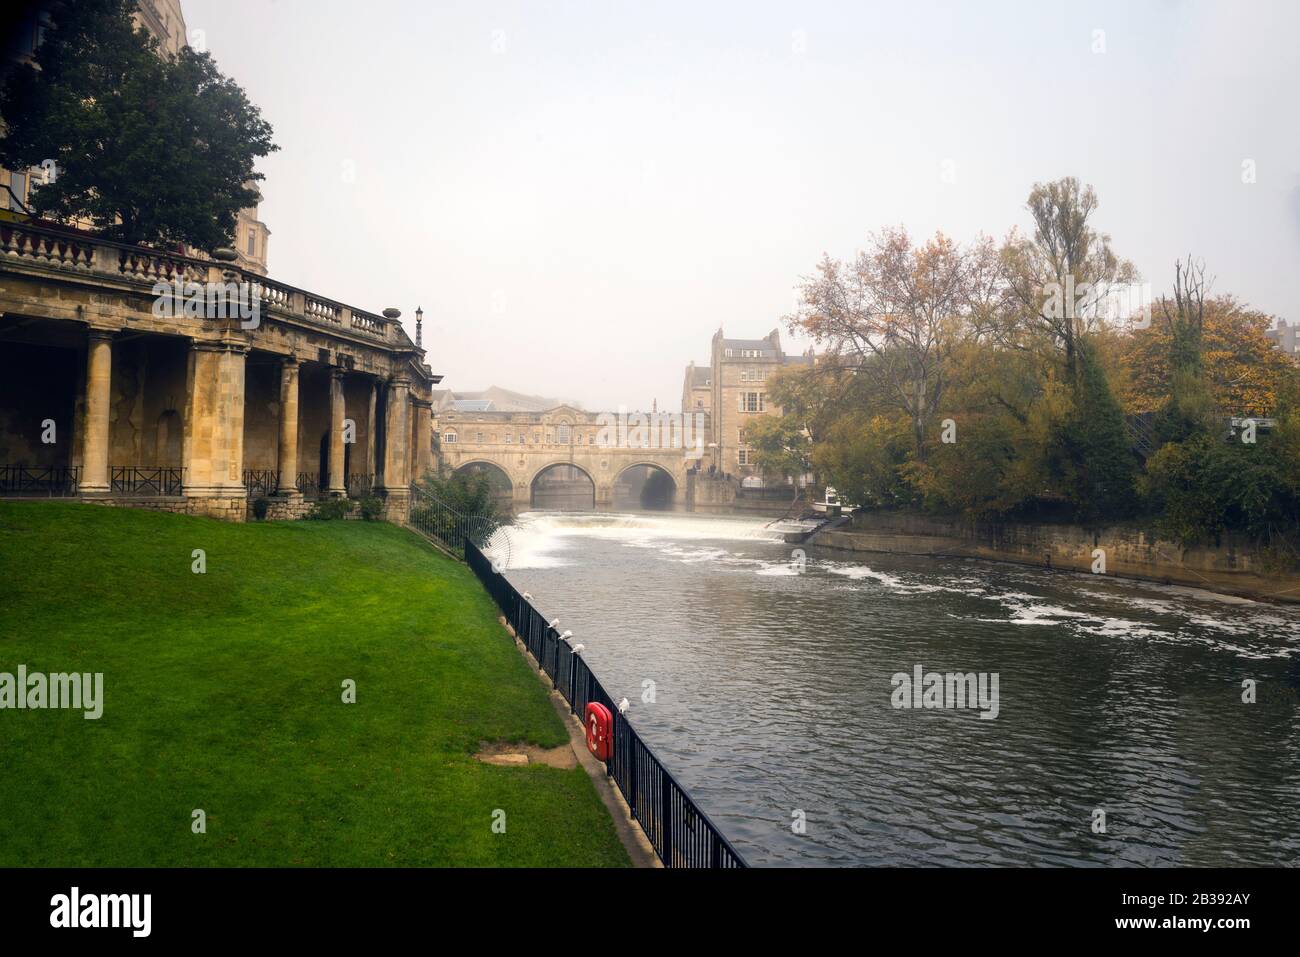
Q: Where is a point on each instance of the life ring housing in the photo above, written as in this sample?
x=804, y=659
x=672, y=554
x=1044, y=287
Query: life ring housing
x=600, y=731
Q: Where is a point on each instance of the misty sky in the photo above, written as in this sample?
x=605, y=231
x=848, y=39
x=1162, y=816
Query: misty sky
x=579, y=194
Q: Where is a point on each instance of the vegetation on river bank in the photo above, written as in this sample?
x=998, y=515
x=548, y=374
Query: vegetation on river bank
x=1039, y=379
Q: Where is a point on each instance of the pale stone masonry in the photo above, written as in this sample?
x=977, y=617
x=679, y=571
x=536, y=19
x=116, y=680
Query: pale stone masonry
x=520, y=450
x=1285, y=337
x=737, y=385
x=103, y=395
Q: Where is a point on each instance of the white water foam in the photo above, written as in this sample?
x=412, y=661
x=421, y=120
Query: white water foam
x=536, y=536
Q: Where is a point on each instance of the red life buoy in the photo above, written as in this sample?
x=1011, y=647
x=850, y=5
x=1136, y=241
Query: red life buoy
x=600, y=731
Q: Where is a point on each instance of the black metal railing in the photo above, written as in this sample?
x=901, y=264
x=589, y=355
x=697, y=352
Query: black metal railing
x=444, y=523
x=146, y=480
x=1142, y=434
x=682, y=834
x=360, y=485
x=261, y=482
x=308, y=483
x=28, y=480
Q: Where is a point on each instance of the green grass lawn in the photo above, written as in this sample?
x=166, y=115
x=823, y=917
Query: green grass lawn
x=222, y=691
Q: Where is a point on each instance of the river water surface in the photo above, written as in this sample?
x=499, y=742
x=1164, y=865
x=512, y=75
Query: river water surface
x=771, y=688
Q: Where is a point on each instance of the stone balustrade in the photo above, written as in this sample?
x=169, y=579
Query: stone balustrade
x=26, y=244
x=215, y=405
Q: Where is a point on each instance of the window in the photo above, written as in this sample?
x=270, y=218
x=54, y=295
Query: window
x=17, y=183
x=537, y=438
x=699, y=403
x=753, y=401
x=728, y=353
x=478, y=437
x=744, y=457
x=449, y=438
x=252, y=242
x=565, y=434
x=740, y=436
x=510, y=438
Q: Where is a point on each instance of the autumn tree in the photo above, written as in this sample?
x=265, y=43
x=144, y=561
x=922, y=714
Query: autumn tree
x=893, y=313
x=1244, y=371
x=1063, y=280
x=780, y=446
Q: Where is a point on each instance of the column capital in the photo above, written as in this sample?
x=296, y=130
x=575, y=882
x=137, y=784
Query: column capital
x=289, y=361
x=338, y=372
x=218, y=345
x=95, y=334
x=400, y=381
x=421, y=403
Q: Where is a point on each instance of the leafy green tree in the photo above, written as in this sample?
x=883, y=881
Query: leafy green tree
x=469, y=494
x=1097, y=463
x=1205, y=486
x=149, y=147
x=864, y=457
x=781, y=446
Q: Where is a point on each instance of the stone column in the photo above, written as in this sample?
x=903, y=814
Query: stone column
x=397, y=439
x=288, y=457
x=94, y=434
x=423, y=437
x=214, y=428
x=338, y=483
x=372, y=438
x=397, y=433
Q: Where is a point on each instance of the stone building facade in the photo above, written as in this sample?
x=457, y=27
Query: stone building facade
x=733, y=388
x=107, y=397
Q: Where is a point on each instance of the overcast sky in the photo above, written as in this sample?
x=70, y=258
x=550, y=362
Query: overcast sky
x=579, y=194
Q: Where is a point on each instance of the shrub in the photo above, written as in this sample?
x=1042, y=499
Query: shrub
x=260, y=507
x=330, y=509
x=371, y=508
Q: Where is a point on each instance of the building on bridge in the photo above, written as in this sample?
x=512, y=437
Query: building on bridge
x=1285, y=337
x=569, y=458
x=493, y=399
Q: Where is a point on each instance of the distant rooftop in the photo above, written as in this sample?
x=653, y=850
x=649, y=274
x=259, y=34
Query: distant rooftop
x=498, y=399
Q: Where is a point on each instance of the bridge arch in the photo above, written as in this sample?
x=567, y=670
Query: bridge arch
x=563, y=485
x=499, y=480
x=645, y=485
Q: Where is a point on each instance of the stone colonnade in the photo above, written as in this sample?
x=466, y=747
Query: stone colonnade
x=213, y=437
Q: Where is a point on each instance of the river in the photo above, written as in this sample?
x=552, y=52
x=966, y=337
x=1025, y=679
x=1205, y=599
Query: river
x=767, y=686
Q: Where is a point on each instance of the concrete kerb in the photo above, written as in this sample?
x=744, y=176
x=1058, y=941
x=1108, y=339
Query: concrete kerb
x=635, y=842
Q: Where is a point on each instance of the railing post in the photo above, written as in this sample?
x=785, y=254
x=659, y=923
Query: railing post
x=666, y=818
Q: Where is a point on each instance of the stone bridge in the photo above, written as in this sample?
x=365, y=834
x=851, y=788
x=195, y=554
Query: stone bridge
x=567, y=458
x=106, y=396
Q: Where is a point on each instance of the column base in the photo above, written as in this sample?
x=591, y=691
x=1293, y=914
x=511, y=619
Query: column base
x=228, y=503
x=397, y=505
